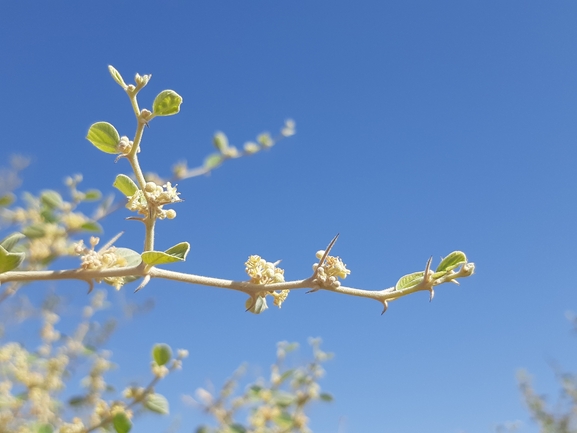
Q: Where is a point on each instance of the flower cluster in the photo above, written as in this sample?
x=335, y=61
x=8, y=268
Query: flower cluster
x=262, y=272
x=107, y=258
x=156, y=197
x=328, y=272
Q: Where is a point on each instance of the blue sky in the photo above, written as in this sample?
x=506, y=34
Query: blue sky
x=423, y=128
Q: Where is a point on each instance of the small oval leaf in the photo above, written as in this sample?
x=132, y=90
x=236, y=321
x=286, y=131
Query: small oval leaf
x=104, y=136
x=284, y=420
x=180, y=250
x=256, y=305
x=161, y=353
x=166, y=103
x=176, y=253
x=49, y=216
x=117, y=77
x=132, y=259
x=34, y=231
x=409, y=280
x=11, y=240
x=283, y=398
x=220, y=141
x=125, y=185
x=78, y=400
x=121, y=423
x=92, y=195
x=45, y=428
x=9, y=261
x=154, y=258
x=452, y=261
x=7, y=199
x=157, y=403
x=51, y=199
x=213, y=161
x=91, y=226
x=237, y=428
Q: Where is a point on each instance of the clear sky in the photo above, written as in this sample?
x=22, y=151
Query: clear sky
x=423, y=127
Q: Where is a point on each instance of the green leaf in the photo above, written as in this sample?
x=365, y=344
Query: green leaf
x=157, y=403
x=77, y=401
x=131, y=256
x=180, y=250
x=254, y=390
x=213, y=161
x=88, y=350
x=132, y=259
x=286, y=375
x=117, y=77
x=157, y=258
x=7, y=199
x=51, y=199
x=11, y=240
x=220, y=141
x=237, y=428
x=125, y=185
x=176, y=253
x=104, y=136
x=48, y=216
x=265, y=140
x=34, y=231
x=325, y=396
x=121, y=423
x=45, y=428
x=9, y=261
x=283, y=398
x=452, y=261
x=91, y=226
x=161, y=353
x=409, y=280
x=284, y=420
x=166, y=103
x=92, y=195
x=257, y=305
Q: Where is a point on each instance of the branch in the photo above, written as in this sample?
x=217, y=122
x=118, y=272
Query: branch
x=427, y=282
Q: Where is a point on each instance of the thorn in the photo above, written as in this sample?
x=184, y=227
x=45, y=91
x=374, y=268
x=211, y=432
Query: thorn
x=428, y=267
x=144, y=283
x=455, y=282
x=328, y=250
x=119, y=157
x=386, y=306
x=313, y=290
x=90, y=286
x=110, y=242
x=432, y=294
